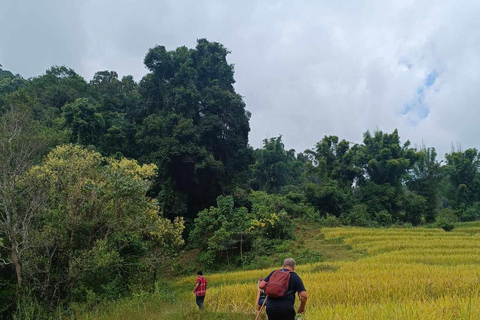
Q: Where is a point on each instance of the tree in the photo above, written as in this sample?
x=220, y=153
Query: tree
x=8, y=83
x=98, y=229
x=385, y=166
x=463, y=172
x=275, y=167
x=331, y=171
x=201, y=146
x=85, y=122
x=20, y=147
x=226, y=231
x=59, y=85
x=424, y=180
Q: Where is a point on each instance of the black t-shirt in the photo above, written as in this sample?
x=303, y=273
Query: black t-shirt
x=294, y=285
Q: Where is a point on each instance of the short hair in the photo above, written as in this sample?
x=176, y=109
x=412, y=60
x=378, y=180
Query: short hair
x=289, y=262
x=200, y=273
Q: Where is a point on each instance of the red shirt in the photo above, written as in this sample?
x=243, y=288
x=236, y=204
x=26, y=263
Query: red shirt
x=202, y=287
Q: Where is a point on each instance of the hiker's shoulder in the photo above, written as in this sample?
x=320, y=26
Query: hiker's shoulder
x=294, y=275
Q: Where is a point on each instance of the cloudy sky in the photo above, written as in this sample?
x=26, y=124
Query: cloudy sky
x=305, y=68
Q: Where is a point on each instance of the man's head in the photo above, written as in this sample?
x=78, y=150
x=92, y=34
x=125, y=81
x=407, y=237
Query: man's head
x=199, y=273
x=289, y=263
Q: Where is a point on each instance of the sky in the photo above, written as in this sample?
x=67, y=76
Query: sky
x=305, y=69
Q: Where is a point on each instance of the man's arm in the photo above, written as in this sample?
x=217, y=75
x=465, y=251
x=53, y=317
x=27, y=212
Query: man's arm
x=262, y=284
x=256, y=301
x=196, y=286
x=303, y=301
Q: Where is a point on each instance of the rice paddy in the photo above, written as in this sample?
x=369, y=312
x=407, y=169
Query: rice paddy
x=412, y=273
x=395, y=273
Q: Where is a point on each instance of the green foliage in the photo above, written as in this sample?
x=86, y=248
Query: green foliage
x=328, y=197
x=358, y=216
x=97, y=235
x=9, y=83
x=386, y=164
x=472, y=213
x=383, y=218
x=446, y=219
x=463, y=170
x=274, y=166
x=98, y=229
x=415, y=207
x=198, y=125
x=424, y=181
x=85, y=123
x=227, y=233
x=333, y=160
x=59, y=86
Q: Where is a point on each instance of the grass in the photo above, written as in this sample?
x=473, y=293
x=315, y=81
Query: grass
x=360, y=273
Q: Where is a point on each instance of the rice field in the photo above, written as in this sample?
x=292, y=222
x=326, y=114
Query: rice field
x=411, y=273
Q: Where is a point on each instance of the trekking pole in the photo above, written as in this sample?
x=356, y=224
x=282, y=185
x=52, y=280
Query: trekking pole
x=260, y=312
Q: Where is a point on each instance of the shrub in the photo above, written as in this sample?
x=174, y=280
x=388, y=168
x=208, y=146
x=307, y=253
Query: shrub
x=446, y=219
x=472, y=213
x=384, y=218
x=358, y=216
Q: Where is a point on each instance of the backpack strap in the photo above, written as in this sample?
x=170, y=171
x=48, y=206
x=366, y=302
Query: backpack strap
x=290, y=291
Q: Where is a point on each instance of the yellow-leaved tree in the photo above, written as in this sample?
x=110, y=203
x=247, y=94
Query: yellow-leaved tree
x=99, y=232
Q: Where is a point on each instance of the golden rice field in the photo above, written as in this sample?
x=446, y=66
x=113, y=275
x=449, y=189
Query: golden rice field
x=411, y=273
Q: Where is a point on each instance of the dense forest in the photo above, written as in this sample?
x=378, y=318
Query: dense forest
x=103, y=182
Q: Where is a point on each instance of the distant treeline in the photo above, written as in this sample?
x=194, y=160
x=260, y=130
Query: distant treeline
x=103, y=181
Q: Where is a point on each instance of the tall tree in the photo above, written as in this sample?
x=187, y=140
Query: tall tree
x=385, y=164
x=200, y=121
x=8, y=83
x=275, y=167
x=463, y=170
x=424, y=179
x=85, y=122
x=333, y=160
x=331, y=170
x=20, y=147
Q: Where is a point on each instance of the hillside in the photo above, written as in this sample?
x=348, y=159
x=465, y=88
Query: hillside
x=408, y=273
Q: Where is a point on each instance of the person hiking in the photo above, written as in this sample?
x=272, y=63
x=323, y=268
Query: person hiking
x=261, y=296
x=280, y=295
x=200, y=289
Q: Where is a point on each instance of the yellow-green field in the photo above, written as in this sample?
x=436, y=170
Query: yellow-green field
x=412, y=273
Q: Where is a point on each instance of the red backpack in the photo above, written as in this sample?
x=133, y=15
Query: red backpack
x=277, y=285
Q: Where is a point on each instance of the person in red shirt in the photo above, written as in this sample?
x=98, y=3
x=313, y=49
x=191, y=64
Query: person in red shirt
x=200, y=289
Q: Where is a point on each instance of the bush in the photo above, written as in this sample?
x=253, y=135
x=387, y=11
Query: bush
x=358, y=216
x=227, y=233
x=384, y=218
x=447, y=226
x=328, y=221
x=446, y=220
x=472, y=213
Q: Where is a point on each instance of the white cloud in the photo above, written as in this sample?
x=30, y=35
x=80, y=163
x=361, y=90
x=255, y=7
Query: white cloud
x=306, y=68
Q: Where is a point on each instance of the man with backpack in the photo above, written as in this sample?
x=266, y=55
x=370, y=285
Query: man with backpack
x=281, y=287
x=200, y=289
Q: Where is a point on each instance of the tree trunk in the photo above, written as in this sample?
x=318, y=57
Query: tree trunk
x=16, y=261
x=241, y=248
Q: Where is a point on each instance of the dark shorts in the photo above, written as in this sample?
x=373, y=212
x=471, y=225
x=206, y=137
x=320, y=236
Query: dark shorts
x=199, y=301
x=279, y=313
x=260, y=301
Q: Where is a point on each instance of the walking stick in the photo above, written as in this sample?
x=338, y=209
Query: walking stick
x=260, y=312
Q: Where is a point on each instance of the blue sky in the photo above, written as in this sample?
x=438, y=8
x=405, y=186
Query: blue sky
x=418, y=106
